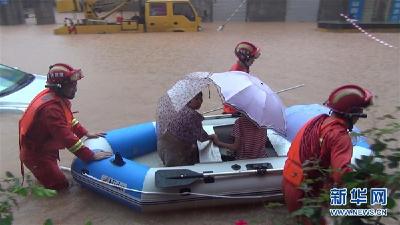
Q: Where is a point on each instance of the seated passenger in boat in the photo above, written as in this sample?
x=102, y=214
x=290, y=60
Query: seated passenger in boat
x=249, y=140
x=177, y=138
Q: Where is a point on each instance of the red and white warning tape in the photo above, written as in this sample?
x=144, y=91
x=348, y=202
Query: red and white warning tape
x=352, y=22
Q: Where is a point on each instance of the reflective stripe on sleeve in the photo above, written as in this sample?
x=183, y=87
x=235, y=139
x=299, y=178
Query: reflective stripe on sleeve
x=76, y=146
x=74, y=122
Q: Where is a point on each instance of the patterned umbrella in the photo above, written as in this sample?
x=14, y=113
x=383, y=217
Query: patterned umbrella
x=184, y=90
x=178, y=96
x=253, y=97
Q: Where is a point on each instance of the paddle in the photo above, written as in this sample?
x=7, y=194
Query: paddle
x=183, y=177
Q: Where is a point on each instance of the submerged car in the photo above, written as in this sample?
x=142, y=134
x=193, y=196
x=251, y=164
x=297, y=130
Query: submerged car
x=18, y=88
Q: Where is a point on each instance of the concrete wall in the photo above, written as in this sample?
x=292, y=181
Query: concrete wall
x=11, y=12
x=29, y=3
x=204, y=8
x=302, y=10
x=223, y=9
x=329, y=10
x=266, y=10
x=44, y=11
x=368, y=10
x=381, y=10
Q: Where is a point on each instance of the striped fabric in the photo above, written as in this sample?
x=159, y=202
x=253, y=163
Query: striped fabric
x=252, y=139
x=76, y=146
x=74, y=122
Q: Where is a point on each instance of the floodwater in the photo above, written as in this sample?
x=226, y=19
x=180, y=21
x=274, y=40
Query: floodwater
x=125, y=74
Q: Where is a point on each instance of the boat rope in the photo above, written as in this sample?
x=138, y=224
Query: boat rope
x=230, y=17
x=164, y=193
x=352, y=22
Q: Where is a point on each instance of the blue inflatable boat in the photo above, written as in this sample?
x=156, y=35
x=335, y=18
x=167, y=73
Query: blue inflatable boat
x=136, y=177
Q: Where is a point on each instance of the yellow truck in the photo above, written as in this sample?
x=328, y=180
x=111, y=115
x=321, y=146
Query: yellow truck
x=154, y=16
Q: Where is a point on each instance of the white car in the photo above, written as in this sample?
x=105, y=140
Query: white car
x=18, y=88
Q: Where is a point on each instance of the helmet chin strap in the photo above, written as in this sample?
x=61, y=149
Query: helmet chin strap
x=54, y=86
x=349, y=118
x=58, y=89
x=350, y=123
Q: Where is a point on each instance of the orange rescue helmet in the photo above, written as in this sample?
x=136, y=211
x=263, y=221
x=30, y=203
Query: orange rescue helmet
x=349, y=99
x=246, y=50
x=61, y=73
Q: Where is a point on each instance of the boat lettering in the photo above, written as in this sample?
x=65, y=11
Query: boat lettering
x=113, y=181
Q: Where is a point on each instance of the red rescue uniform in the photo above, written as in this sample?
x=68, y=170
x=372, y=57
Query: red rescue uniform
x=46, y=127
x=235, y=67
x=239, y=67
x=325, y=138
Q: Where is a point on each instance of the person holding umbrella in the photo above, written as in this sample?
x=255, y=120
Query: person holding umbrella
x=246, y=53
x=177, y=139
x=325, y=139
x=178, y=124
x=244, y=92
x=260, y=108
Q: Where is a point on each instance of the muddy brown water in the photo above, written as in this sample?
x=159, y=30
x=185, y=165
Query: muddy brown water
x=125, y=74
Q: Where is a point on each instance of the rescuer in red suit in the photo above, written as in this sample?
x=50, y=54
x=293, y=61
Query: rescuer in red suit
x=48, y=125
x=246, y=53
x=325, y=138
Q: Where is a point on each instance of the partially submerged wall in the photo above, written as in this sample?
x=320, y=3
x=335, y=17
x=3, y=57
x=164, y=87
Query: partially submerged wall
x=11, y=12
x=44, y=11
x=266, y=10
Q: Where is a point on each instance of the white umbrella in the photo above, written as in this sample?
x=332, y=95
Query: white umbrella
x=253, y=97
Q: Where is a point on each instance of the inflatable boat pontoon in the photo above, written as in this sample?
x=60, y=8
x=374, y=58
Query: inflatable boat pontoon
x=136, y=177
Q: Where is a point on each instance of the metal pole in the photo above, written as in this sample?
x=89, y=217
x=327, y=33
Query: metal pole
x=220, y=28
x=291, y=88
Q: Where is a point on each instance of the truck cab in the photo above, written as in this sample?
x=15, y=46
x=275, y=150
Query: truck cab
x=153, y=16
x=171, y=16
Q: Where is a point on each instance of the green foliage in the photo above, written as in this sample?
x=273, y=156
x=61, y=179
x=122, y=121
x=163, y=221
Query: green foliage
x=379, y=170
x=11, y=189
x=48, y=222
